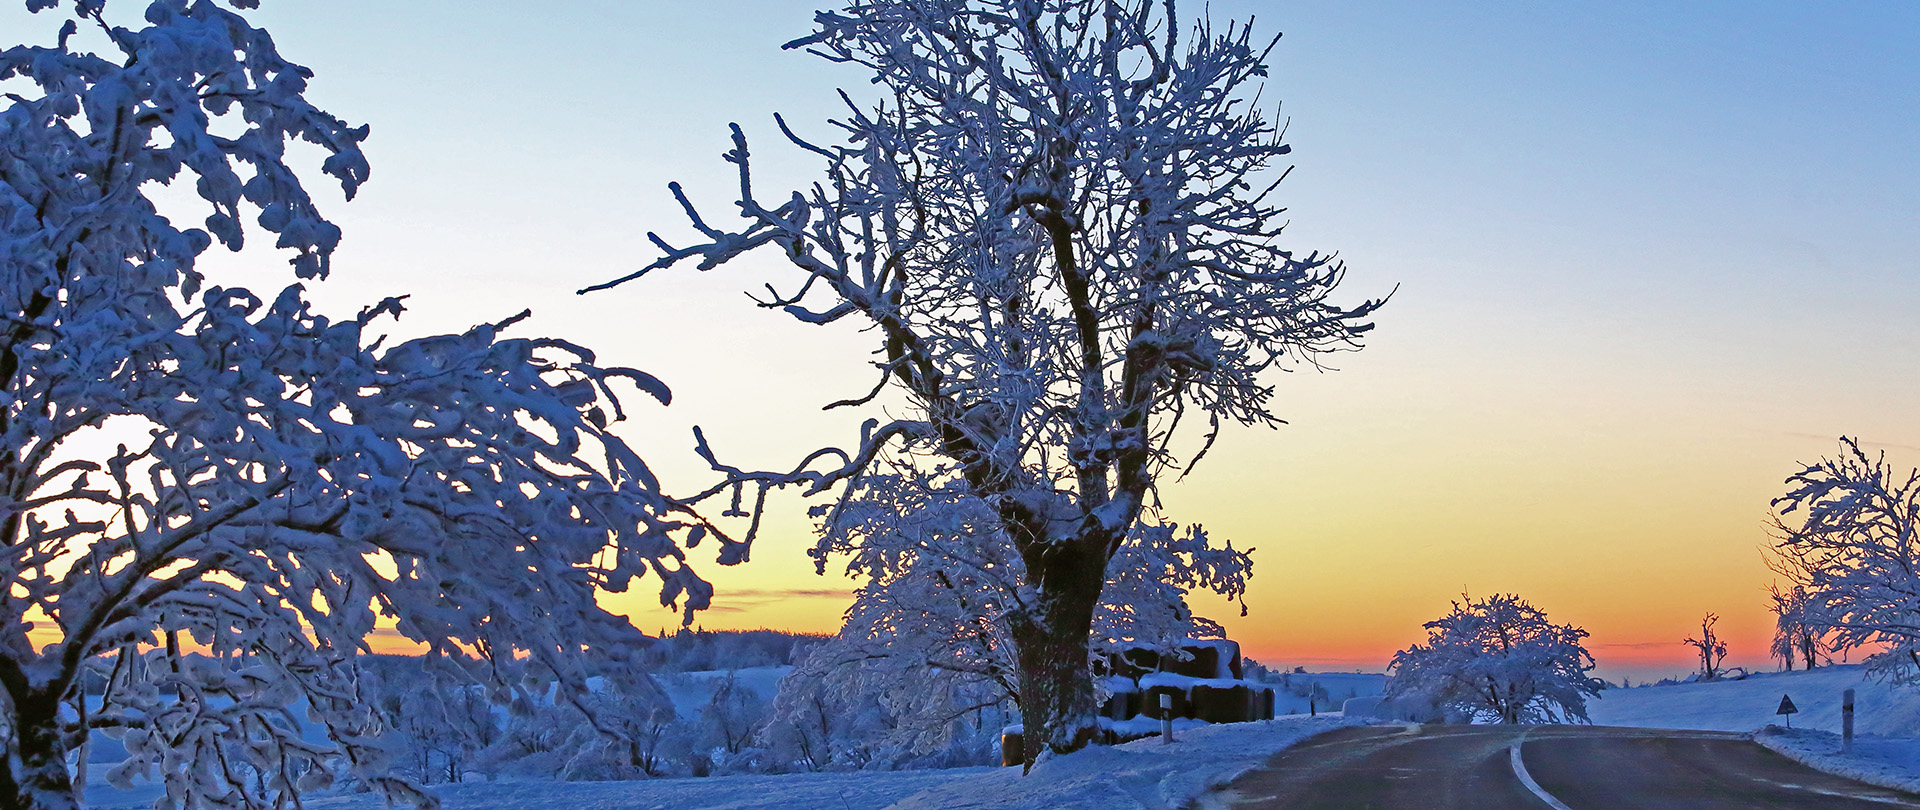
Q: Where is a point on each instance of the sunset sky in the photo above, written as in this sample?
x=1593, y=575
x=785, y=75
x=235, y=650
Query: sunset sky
x=1649, y=256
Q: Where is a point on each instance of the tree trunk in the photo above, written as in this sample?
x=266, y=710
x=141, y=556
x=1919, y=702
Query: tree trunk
x=35, y=776
x=1050, y=642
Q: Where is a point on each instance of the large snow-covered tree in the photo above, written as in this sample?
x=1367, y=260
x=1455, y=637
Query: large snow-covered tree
x=210, y=496
x=1856, y=550
x=1498, y=660
x=1059, y=223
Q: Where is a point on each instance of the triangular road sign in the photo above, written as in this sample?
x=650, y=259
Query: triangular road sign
x=1786, y=706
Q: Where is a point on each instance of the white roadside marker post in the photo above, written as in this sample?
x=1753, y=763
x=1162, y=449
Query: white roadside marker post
x=1166, y=718
x=1846, y=722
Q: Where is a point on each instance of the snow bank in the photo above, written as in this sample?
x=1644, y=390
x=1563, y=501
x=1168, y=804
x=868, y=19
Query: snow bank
x=858, y=790
x=1887, y=762
x=1749, y=704
x=1141, y=775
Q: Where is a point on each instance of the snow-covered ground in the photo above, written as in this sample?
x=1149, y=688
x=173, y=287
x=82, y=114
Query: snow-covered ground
x=827, y=791
x=1885, y=761
x=1886, y=748
x=1141, y=775
x=1749, y=704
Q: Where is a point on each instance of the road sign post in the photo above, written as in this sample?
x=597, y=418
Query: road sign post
x=1166, y=718
x=1846, y=722
x=1787, y=709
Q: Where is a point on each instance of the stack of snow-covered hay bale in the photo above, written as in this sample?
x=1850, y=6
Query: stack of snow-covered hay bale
x=1203, y=682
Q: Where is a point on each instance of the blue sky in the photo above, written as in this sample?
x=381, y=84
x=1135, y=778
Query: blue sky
x=1649, y=255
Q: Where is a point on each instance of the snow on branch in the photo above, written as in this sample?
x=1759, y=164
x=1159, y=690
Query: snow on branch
x=1495, y=660
x=1058, y=221
x=284, y=483
x=1855, y=553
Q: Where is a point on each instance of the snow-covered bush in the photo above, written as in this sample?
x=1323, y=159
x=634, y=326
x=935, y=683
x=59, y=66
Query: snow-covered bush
x=1495, y=660
x=443, y=726
x=436, y=726
x=623, y=728
x=1856, y=550
x=732, y=716
x=854, y=706
x=282, y=481
x=1060, y=226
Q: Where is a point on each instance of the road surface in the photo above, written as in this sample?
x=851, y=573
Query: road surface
x=1542, y=768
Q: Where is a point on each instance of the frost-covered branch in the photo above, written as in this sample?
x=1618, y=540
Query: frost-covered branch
x=284, y=483
x=1057, y=219
x=1856, y=552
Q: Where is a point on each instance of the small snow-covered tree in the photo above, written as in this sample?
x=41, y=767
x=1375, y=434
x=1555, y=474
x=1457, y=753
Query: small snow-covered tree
x=1709, y=647
x=841, y=711
x=1797, y=629
x=732, y=715
x=282, y=480
x=435, y=722
x=1857, y=548
x=1496, y=660
x=647, y=744
x=618, y=730
x=1059, y=225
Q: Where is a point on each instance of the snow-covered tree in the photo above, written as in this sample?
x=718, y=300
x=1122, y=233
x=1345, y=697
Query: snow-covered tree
x=1798, y=630
x=1059, y=222
x=620, y=729
x=1496, y=660
x=929, y=627
x=732, y=715
x=841, y=711
x=1711, y=649
x=212, y=496
x=1857, y=545
x=437, y=724
x=924, y=642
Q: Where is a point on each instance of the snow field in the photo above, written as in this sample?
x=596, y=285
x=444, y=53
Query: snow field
x=1749, y=704
x=1141, y=775
x=806, y=791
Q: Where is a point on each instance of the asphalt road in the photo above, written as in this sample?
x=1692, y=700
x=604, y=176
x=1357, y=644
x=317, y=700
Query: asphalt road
x=1572, y=768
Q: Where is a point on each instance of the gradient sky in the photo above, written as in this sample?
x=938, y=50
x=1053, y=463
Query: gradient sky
x=1649, y=257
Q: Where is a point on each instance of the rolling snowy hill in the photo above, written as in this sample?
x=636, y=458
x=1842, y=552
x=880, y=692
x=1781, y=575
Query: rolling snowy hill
x=1749, y=704
x=1886, y=719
